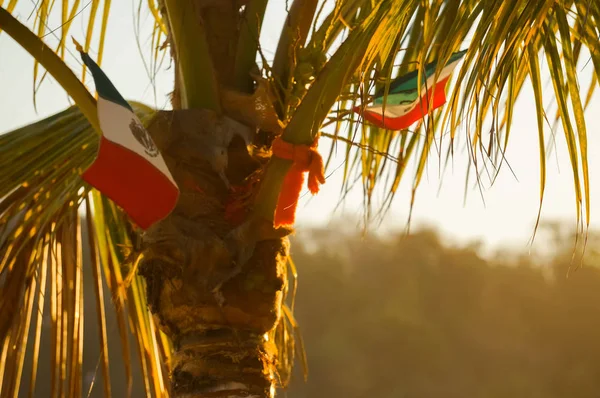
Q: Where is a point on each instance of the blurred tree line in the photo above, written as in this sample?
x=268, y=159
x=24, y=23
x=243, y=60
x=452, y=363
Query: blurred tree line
x=408, y=316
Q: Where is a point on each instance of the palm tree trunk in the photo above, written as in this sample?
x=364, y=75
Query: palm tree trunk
x=222, y=337
x=220, y=317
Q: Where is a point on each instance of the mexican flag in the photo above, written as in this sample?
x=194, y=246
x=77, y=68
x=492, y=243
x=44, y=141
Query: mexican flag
x=403, y=106
x=128, y=168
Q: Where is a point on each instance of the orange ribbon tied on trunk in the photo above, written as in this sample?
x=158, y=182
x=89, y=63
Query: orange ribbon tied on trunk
x=305, y=158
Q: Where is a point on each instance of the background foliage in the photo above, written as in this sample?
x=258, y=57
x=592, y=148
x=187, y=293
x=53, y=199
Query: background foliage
x=410, y=316
x=415, y=318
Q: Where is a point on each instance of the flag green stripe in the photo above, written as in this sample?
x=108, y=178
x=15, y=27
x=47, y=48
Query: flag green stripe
x=104, y=87
x=412, y=96
x=408, y=83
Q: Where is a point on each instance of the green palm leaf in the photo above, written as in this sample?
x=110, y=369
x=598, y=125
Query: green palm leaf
x=42, y=238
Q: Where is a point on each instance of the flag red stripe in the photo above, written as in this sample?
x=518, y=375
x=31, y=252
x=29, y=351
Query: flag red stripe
x=435, y=97
x=133, y=183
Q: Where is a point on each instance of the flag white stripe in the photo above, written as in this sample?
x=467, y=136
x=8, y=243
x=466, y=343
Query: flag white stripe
x=114, y=122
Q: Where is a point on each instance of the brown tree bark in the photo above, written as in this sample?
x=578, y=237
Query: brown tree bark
x=218, y=314
x=219, y=310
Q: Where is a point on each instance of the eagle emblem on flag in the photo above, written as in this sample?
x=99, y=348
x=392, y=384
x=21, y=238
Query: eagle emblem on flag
x=141, y=135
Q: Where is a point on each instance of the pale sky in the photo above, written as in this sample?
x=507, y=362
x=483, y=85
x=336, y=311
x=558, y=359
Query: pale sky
x=511, y=206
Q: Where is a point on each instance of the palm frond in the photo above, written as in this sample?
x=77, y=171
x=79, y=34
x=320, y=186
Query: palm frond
x=199, y=87
x=46, y=213
x=69, y=10
x=329, y=60
x=502, y=40
x=248, y=44
x=53, y=64
x=485, y=88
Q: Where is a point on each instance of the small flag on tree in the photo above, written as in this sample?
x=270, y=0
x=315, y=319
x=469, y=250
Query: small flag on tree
x=128, y=168
x=403, y=106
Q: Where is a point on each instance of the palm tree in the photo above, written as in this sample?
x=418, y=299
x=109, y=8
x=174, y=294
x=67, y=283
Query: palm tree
x=214, y=273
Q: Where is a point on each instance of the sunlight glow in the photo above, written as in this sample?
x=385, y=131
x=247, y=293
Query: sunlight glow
x=19, y=231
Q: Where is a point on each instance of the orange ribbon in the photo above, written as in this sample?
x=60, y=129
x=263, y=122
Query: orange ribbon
x=304, y=158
